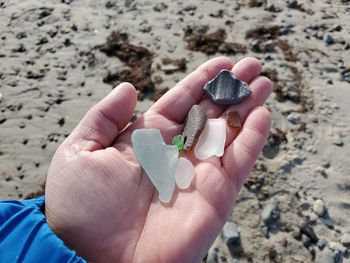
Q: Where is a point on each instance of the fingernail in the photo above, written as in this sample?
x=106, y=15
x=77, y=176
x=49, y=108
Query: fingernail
x=117, y=89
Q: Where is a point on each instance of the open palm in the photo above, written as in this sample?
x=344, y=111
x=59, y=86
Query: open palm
x=102, y=205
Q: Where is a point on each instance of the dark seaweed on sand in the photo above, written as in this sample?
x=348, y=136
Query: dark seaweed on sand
x=137, y=58
x=294, y=93
x=211, y=43
x=266, y=32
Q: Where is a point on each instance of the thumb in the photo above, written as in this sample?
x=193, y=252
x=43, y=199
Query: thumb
x=103, y=122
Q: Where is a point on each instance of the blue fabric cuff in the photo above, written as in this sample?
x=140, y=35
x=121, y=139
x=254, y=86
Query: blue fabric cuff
x=25, y=235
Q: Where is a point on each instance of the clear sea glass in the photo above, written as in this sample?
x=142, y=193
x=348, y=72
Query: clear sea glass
x=211, y=142
x=184, y=173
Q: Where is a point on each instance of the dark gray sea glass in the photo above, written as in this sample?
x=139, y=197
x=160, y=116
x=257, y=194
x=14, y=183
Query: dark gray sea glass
x=226, y=89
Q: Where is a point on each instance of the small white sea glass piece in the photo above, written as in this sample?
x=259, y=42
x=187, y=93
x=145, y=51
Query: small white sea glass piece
x=157, y=159
x=211, y=142
x=184, y=173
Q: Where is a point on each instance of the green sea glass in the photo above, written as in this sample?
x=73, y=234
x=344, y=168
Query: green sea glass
x=157, y=159
x=179, y=141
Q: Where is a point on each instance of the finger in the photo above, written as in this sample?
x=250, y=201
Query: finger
x=102, y=123
x=245, y=70
x=242, y=153
x=177, y=102
x=261, y=90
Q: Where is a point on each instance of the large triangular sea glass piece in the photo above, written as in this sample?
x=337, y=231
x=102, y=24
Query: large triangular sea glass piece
x=157, y=159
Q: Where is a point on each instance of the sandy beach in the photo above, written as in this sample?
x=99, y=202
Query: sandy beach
x=59, y=58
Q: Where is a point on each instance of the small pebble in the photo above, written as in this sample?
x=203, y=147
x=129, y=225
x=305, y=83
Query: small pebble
x=296, y=235
x=67, y=42
x=315, y=120
x=223, y=258
x=293, y=4
x=286, y=28
x=265, y=231
x=313, y=217
x=110, y=4
x=319, y=207
x=270, y=212
x=319, y=170
x=159, y=7
x=328, y=39
x=293, y=118
x=337, y=140
x=346, y=45
x=328, y=222
x=272, y=8
x=324, y=256
x=312, y=251
x=305, y=63
x=326, y=164
x=306, y=240
x=190, y=8
x=21, y=35
x=337, y=256
x=42, y=41
x=345, y=240
x=1, y=97
x=20, y=49
x=230, y=233
x=61, y=122
x=145, y=27
x=337, y=28
x=255, y=46
x=337, y=246
x=212, y=257
x=321, y=243
x=308, y=230
x=21, y=125
x=269, y=46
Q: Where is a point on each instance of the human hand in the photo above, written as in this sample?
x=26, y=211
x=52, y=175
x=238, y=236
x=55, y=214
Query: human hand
x=100, y=203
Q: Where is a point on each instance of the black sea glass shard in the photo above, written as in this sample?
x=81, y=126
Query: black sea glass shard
x=226, y=89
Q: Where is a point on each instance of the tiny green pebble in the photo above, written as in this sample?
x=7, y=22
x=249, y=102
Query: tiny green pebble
x=179, y=141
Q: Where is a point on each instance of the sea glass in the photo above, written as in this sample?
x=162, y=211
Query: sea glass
x=211, y=142
x=157, y=159
x=184, y=173
x=179, y=141
x=233, y=119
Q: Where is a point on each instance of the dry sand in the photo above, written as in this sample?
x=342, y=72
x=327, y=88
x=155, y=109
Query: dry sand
x=56, y=63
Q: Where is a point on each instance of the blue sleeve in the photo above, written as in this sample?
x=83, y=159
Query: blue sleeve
x=25, y=235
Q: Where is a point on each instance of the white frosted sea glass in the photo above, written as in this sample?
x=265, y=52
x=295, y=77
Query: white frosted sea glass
x=211, y=142
x=157, y=159
x=184, y=173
